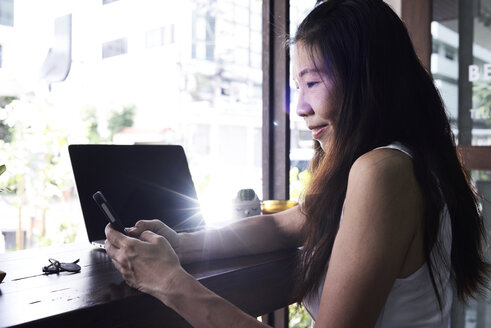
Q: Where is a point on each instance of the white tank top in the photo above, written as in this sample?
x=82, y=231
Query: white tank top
x=412, y=301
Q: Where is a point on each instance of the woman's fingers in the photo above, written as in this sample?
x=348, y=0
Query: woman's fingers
x=114, y=236
x=150, y=237
x=156, y=226
x=145, y=263
x=119, y=247
x=116, y=254
x=117, y=266
x=143, y=225
x=137, y=229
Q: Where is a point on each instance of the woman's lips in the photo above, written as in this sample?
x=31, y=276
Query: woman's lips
x=318, y=130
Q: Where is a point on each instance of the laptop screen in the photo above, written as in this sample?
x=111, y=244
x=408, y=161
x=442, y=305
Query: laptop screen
x=141, y=182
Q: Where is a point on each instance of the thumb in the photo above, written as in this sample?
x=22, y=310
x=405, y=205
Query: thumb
x=150, y=237
x=153, y=238
x=136, y=230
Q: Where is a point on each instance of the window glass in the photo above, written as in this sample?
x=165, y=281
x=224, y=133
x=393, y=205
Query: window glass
x=178, y=72
x=467, y=96
x=434, y=48
x=155, y=37
x=114, y=48
x=445, y=66
x=300, y=147
x=301, y=151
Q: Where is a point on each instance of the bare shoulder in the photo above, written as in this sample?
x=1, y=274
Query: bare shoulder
x=384, y=180
x=389, y=165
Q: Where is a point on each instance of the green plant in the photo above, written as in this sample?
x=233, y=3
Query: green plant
x=37, y=154
x=119, y=120
x=298, y=182
x=66, y=233
x=3, y=168
x=89, y=117
x=5, y=130
x=298, y=316
x=482, y=102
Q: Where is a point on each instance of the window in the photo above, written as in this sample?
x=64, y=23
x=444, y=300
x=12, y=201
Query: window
x=105, y=2
x=114, y=48
x=169, y=35
x=7, y=12
x=160, y=36
x=203, y=43
x=1, y=55
x=466, y=90
x=449, y=53
x=434, y=48
x=155, y=38
x=300, y=137
x=208, y=103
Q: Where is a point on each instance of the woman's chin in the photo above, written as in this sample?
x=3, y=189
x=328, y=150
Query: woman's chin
x=324, y=144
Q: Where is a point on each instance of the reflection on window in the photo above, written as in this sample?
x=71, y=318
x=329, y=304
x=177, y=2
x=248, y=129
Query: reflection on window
x=114, y=48
x=1, y=55
x=105, y=2
x=7, y=12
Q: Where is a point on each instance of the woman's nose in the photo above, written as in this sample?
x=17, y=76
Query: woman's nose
x=303, y=107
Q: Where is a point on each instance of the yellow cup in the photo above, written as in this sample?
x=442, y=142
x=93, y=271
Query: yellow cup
x=275, y=206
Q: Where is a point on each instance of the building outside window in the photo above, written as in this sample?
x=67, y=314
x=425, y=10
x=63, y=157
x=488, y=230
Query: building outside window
x=158, y=92
x=7, y=12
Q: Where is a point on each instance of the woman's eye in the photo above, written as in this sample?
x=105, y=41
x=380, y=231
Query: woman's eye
x=311, y=84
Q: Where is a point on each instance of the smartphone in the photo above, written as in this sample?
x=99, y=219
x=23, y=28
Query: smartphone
x=108, y=211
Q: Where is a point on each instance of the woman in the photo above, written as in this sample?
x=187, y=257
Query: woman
x=389, y=225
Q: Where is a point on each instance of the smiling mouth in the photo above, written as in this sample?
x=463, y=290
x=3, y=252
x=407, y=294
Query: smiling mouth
x=318, y=130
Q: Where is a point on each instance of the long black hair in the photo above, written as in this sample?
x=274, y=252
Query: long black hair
x=386, y=95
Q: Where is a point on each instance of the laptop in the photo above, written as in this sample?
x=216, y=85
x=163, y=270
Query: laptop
x=140, y=182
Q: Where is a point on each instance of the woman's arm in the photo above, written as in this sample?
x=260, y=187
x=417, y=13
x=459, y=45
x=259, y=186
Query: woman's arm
x=150, y=265
x=203, y=308
x=259, y=234
x=151, y=261
x=383, y=213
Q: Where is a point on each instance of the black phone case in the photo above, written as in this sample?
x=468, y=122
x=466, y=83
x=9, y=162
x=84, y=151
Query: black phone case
x=100, y=200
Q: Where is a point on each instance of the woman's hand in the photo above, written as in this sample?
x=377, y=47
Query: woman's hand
x=157, y=227
x=148, y=264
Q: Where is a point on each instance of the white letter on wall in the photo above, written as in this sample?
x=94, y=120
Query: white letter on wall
x=473, y=73
x=487, y=72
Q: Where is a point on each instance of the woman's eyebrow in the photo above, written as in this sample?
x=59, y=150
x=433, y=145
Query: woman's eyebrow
x=307, y=70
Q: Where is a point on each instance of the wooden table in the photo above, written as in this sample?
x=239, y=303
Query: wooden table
x=97, y=296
